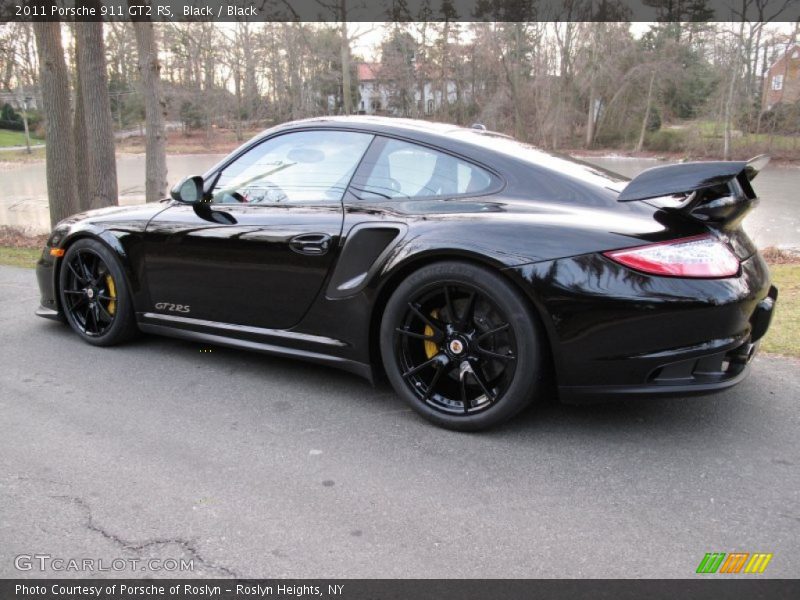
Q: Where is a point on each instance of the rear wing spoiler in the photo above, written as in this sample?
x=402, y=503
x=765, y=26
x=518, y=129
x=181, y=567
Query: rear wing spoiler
x=713, y=192
x=685, y=178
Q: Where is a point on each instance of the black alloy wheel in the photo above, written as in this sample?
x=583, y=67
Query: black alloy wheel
x=459, y=343
x=94, y=294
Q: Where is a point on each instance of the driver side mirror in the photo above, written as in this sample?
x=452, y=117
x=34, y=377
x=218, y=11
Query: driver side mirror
x=189, y=190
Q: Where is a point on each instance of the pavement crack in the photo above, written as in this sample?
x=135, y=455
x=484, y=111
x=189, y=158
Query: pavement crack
x=138, y=547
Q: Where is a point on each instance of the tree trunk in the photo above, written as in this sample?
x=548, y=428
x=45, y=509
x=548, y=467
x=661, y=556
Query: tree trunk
x=251, y=95
x=726, y=138
x=592, y=67
x=237, y=87
x=419, y=72
x=590, y=117
x=81, y=141
x=25, y=125
x=347, y=99
x=728, y=111
x=60, y=151
x=444, y=100
x=97, y=113
x=647, y=109
x=519, y=130
x=155, y=109
x=8, y=72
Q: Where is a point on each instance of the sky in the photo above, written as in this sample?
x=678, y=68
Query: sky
x=370, y=36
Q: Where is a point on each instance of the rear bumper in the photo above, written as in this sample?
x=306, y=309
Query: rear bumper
x=706, y=374
x=617, y=334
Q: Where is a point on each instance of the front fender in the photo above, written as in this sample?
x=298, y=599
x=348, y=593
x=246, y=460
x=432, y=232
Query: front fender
x=120, y=229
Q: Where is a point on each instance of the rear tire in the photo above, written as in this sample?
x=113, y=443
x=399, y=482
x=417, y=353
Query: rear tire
x=460, y=345
x=94, y=294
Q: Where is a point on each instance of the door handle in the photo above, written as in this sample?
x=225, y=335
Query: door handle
x=314, y=244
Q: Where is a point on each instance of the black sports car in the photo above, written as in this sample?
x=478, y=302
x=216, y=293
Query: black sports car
x=465, y=265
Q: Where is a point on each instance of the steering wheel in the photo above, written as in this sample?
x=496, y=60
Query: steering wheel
x=260, y=192
x=235, y=196
x=264, y=192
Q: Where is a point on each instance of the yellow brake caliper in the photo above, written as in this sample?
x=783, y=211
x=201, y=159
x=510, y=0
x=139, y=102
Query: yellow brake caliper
x=112, y=292
x=431, y=349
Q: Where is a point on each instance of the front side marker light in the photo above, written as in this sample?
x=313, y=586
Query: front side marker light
x=57, y=252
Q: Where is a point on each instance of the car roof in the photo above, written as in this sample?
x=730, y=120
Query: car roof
x=399, y=126
x=382, y=123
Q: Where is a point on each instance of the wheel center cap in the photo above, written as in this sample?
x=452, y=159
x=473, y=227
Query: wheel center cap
x=90, y=293
x=456, y=346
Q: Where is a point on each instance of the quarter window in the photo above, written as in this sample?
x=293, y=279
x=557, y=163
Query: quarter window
x=306, y=166
x=403, y=170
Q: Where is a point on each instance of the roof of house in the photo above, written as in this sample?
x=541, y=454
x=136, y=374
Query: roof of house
x=368, y=71
x=794, y=50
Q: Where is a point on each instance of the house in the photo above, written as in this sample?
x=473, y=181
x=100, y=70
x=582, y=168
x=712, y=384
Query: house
x=17, y=98
x=375, y=93
x=373, y=97
x=782, y=80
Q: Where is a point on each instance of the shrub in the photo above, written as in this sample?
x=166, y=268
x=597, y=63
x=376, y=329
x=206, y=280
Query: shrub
x=7, y=113
x=191, y=116
x=666, y=140
x=654, y=119
x=613, y=138
x=10, y=119
x=13, y=125
x=782, y=118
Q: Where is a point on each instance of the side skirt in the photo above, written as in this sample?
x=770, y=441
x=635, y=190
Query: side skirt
x=361, y=369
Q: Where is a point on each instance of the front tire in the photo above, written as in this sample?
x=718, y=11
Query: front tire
x=94, y=294
x=460, y=345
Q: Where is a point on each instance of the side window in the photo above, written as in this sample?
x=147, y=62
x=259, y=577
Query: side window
x=306, y=166
x=403, y=170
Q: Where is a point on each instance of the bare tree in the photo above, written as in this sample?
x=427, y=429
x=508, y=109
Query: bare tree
x=591, y=114
x=17, y=56
x=648, y=107
x=347, y=97
x=551, y=83
x=97, y=115
x=155, y=108
x=61, y=181
x=339, y=10
x=82, y=165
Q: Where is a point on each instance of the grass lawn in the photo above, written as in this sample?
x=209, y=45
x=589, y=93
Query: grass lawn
x=15, y=138
x=784, y=333
x=765, y=141
x=17, y=156
x=783, y=336
x=19, y=257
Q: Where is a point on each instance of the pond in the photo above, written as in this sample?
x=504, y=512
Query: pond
x=24, y=185
x=775, y=222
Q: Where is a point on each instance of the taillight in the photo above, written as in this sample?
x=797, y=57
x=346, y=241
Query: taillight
x=701, y=256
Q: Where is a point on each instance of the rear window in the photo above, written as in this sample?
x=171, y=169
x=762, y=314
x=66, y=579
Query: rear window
x=559, y=163
x=403, y=170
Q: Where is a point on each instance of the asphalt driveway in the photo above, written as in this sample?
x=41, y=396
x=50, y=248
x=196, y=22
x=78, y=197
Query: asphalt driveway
x=262, y=467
